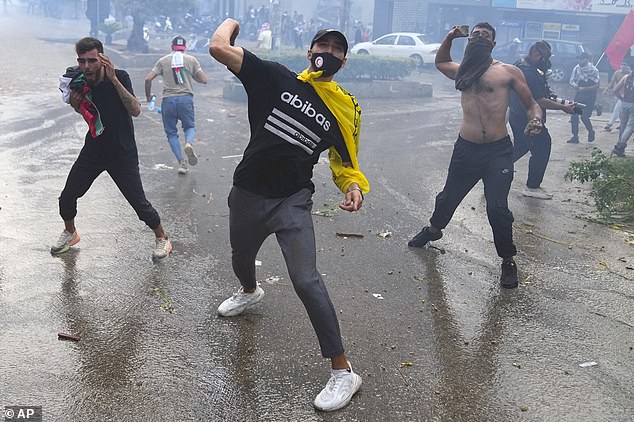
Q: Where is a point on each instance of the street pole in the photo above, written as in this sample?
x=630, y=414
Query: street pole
x=345, y=16
x=97, y=25
x=276, y=25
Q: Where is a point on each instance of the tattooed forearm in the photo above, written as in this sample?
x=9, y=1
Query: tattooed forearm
x=130, y=102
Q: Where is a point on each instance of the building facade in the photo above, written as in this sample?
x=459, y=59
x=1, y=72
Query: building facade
x=592, y=22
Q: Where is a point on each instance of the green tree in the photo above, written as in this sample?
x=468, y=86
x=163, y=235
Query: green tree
x=141, y=10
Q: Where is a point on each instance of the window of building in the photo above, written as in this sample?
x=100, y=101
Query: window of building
x=533, y=30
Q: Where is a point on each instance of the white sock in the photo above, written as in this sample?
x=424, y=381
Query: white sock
x=340, y=371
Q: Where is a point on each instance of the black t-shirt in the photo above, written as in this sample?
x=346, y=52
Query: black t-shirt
x=118, y=128
x=536, y=81
x=290, y=127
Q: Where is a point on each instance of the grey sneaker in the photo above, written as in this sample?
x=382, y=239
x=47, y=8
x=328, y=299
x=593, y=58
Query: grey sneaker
x=162, y=249
x=191, y=155
x=538, y=193
x=182, y=167
x=65, y=241
x=338, y=391
x=240, y=301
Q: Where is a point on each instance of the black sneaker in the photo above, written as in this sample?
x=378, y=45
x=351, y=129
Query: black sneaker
x=508, y=278
x=422, y=238
x=591, y=136
x=599, y=108
x=573, y=140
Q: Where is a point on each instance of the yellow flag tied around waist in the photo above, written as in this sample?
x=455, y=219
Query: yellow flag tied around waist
x=348, y=117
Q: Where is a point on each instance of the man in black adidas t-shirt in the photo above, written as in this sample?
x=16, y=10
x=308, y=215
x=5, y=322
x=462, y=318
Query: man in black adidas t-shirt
x=112, y=150
x=293, y=118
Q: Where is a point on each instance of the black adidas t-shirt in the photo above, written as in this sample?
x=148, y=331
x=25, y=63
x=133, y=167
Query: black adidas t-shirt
x=290, y=127
x=118, y=128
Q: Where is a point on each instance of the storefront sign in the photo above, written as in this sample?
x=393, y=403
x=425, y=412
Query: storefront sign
x=504, y=3
x=469, y=2
x=552, y=26
x=608, y=6
x=569, y=27
x=592, y=6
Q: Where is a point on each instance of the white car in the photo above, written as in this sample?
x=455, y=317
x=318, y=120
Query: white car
x=400, y=44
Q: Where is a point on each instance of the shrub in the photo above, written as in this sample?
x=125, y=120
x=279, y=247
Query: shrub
x=612, y=184
x=357, y=66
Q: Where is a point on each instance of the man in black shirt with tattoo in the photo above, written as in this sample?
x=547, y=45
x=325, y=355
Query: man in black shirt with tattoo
x=293, y=118
x=110, y=147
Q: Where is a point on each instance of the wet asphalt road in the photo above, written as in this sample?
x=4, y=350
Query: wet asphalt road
x=444, y=343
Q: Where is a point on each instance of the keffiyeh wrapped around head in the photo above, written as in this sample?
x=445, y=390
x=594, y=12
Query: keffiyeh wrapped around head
x=477, y=59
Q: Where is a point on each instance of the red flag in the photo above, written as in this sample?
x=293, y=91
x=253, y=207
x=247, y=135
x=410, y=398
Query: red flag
x=622, y=41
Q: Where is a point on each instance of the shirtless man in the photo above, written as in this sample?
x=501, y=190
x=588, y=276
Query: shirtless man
x=483, y=149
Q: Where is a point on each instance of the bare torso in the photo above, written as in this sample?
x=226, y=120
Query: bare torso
x=484, y=105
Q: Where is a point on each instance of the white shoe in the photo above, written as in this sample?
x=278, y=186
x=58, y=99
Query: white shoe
x=538, y=193
x=182, y=167
x=191, y=155
x=65, y=241
x=162, y=249
x=240, y=301
x=338, y=391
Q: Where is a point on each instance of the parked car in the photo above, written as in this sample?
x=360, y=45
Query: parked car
x=400, y=44
x=564, y=58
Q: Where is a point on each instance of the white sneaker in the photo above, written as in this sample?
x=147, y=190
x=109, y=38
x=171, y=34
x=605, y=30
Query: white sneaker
x=191, y=155
x=338, y=391
x=162, y=249
x=182, y=167
x=65, y=241
x=240, y=301
x=538, y=193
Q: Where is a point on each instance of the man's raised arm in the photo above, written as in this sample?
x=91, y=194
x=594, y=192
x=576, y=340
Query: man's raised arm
x=444, y=62
x=221, y=45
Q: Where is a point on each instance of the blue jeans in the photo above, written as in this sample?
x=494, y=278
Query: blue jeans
x=174, y=109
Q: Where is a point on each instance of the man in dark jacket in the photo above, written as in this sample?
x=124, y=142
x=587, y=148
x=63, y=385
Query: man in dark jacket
x=534, y=67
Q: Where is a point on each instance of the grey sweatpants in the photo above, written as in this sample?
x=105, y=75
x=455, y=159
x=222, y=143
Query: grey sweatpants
x=252, y=218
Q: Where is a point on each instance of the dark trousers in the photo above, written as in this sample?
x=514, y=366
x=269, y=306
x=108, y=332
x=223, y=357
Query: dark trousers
x=122, y=166
x=493, y=163
x=252, y=218
x=538, y=145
